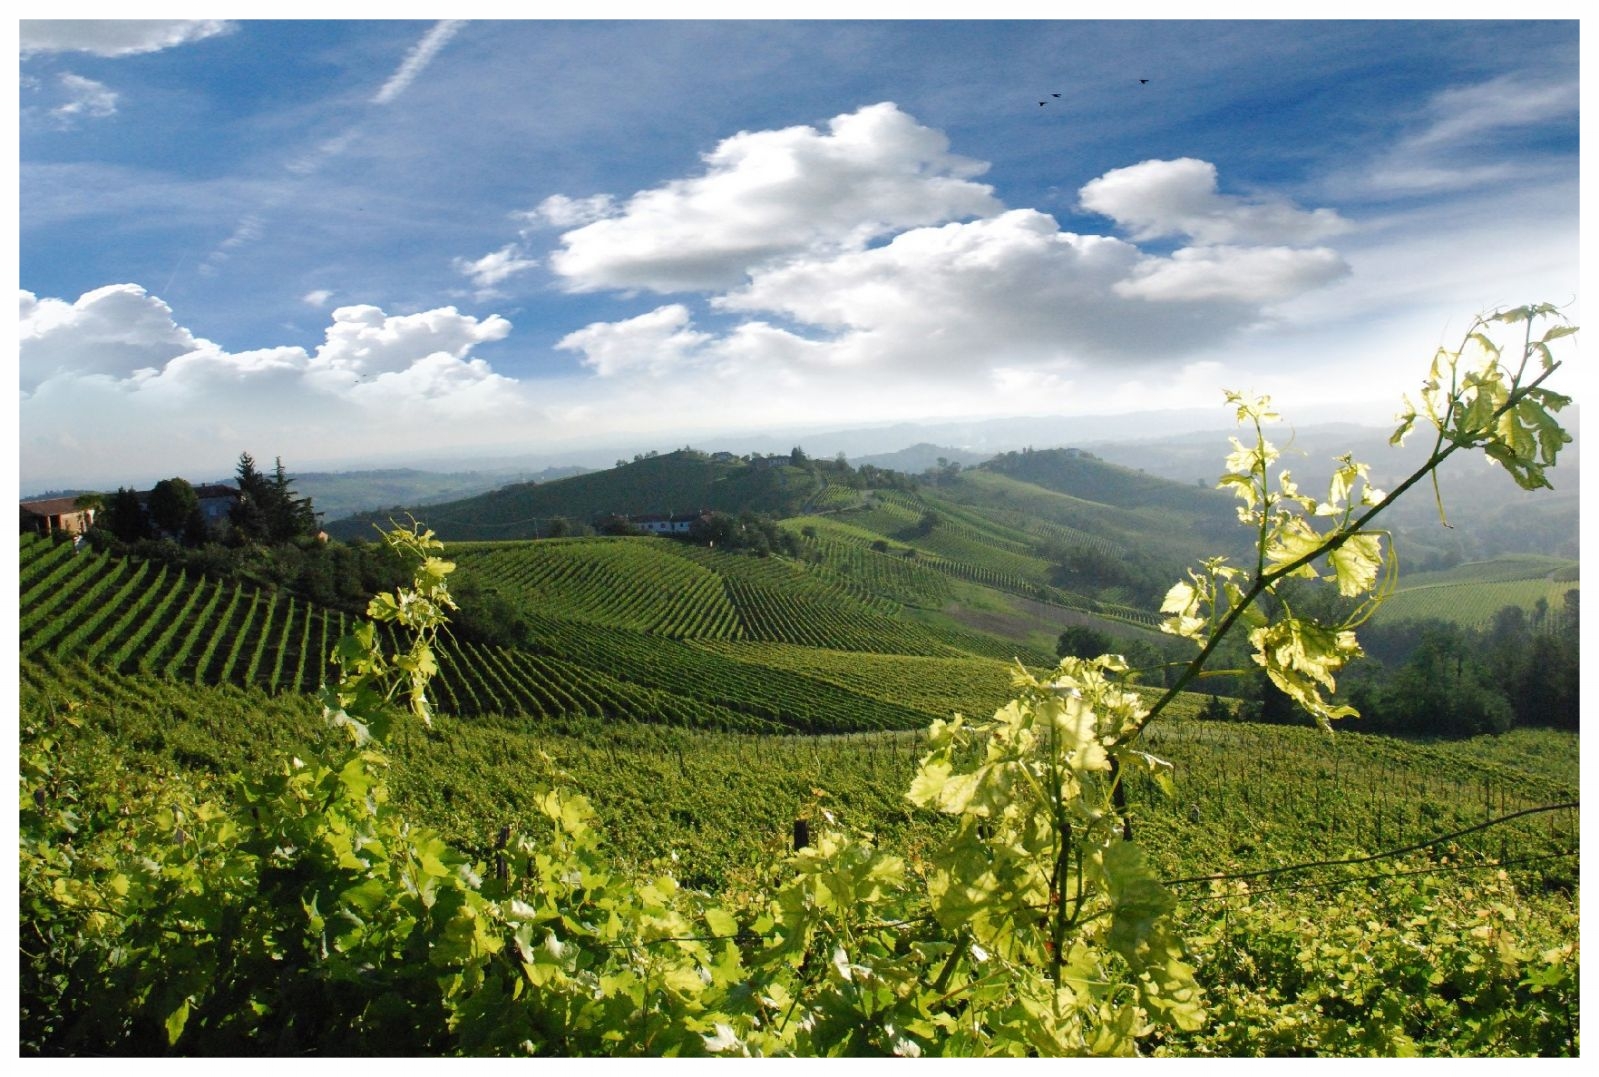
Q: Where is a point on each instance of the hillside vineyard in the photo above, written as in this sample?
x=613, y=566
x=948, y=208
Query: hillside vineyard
x=254, y=822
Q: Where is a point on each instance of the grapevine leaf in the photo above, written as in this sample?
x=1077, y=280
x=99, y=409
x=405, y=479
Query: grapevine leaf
x=1356, y=563
x=176, y=1020
x=928, y=784
x=1159, y=770
x=720, y=922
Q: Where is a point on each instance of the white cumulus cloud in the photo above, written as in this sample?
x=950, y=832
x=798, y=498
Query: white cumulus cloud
x=113, y=331
x=1255, y=275
x=161, y=392
x=869, y=246
x=1167, y=198
x=656, y=343
x=363, y=340
x=114, y=37
x=1009, y=292
x=767, y=195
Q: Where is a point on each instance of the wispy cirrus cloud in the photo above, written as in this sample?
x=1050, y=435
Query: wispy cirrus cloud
x=308, y=162
x=72, y=98
x=559, y=211
x=1473, y=136
x=493, y=268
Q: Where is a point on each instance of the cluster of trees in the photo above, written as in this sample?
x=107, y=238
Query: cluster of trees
x=267, y=511
x=751, y=531
x=838, y=472
x=947, y=470
x=270, y=537
x=1434, y=677
x=1420, y=678
x=171, y=509
x=1088, y=571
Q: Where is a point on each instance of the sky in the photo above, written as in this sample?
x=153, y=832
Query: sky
x=355, y=242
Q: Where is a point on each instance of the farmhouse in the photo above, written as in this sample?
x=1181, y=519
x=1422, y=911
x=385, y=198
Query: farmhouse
x=56, y=514
x=677, y=524
x=62, y=514
x=216, y=500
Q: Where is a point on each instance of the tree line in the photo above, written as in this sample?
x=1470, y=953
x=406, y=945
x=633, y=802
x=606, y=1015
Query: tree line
x=266, y=510
x=1422, y=677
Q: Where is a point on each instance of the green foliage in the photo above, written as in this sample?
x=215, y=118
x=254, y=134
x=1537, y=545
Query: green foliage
x=1080, y=641
x=1425, y=964
x=124, y=517
x=268, y=510
x=1287, y=794
x=1437, y=677
x=300, y=909
x=1486, y=404
x=1473, y=398
x=172, y=504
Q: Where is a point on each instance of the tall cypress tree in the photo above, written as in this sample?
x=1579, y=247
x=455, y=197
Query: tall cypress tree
x=251, y=515
x=124, y=517
x=291, y=515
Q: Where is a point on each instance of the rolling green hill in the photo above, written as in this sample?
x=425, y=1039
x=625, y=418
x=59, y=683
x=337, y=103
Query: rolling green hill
x=981, y=549
x=682, y=481
x=1470, y=594
x=608, y=629
x=667, y=682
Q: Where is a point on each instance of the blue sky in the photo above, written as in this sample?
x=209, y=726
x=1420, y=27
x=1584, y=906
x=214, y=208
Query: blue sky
x=352, y=240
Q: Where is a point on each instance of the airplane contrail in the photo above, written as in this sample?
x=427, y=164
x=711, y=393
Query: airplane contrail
x=417, y=59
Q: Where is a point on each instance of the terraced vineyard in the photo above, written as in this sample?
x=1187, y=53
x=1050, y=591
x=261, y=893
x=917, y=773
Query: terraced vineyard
x=137, y=616
x=815, y=581
x=1470, y=594
x=904, y=581
x=610, y=619
x=773, y=697
x=1247, y=796
x=621, y=582
x=1169, y=531
x=931, y=685
x=478, y=680
x=992, y=547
